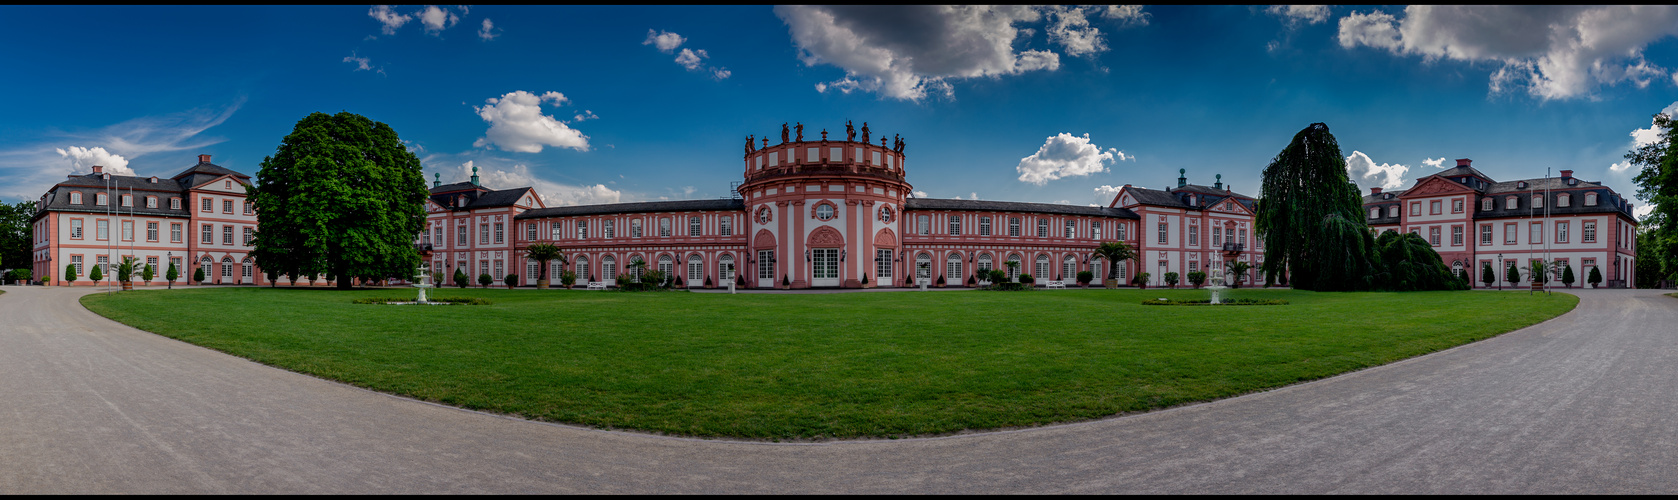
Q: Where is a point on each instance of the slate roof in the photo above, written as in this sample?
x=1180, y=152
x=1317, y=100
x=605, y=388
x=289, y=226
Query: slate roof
x=1206, y=196
x=1015, y=206
x=1383, y=197
x=1463, y=170
x=1156, y=197
x=1606, y=202
x=205, y=172
x=91, y=184
x=476, y=196
x=637, y=207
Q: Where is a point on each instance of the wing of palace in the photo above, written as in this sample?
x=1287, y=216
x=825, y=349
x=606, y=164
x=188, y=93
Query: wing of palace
x=829, y=213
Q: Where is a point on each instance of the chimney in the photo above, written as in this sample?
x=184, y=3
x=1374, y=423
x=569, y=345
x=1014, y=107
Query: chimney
x=98, y=169
x=1375, y=190
x=1464, y=162
x=203, y=158
x=1567, y=174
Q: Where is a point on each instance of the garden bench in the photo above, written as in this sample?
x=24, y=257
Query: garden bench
x=1056, y=284
x=596, y=285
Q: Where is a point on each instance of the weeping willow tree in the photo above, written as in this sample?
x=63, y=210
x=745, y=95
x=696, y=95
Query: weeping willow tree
x=1408, y=262
x=1311, y=217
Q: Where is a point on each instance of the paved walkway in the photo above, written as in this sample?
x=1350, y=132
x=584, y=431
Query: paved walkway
x=1584, y=403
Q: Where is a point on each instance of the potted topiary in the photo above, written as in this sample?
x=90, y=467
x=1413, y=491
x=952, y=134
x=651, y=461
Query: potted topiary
x=785, y=285
x=198, y=275
x=940, y=281
x=96, y=275
x=1197, y=278
x=1171, y=279
x=511, y=281
x=707, y=281
x=1595, y=278
x=1027, y=280
x=69, y=275
x=1085, y=277
x=146, y=274
x=865, y=283
x=542, y=253
x=460, y=279
x=1487, y=276
x=1567, y=275
x=1113, y=253
x=1141, y=280
x=567, y=278
x=484, y=279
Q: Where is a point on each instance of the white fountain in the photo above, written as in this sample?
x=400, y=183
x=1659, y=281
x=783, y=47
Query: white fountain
x=421, y=284
x=1216, y=278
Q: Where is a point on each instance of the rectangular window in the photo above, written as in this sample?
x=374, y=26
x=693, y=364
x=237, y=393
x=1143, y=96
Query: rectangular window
x=1243, y=239
x=483, y=268
x=1485, y=234
x=1194, y=235
x=1217, y=237
x=127, y=230
x=227, y=235
x=76, y=229
x=1071, y=228
x=1119, y=231
x=882, y=263
x=725, y=226
x=104, y=230
x=582, y=229
x=923, y=224
x=1456, y=236
x=610, y=228
x=483, y=234
x=76, y=260
x=1509, y=203
x=250, y=234
x=635, y=228
x=1415, y=209
x=1433, y=235
x=500, y=232
x=984, y=226
x=1589, y=235
x=696, y=226
x=1162, y=233
x=1013, y=226
x=500, y=272
x=226, y=206
x=209, y=204
x=151, y=231
x=437, y=235
x=128, y=200
x=664, y=226
x=249, y=209
x=1456, y=206
x=151, y=202
x=955, y=225
x=100, y=199
x=175, y=233
x=104, y=263
x=1510, y=234
x=460, y=235
x=1537, y=235
x=1537, y=201
x=174, y=203
x=1433, y=208
x=1561, y=232
x=530, y=231
x=1375, y=212
x=1042, y=228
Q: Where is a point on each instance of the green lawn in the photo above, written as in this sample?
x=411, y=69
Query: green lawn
x=820, y=366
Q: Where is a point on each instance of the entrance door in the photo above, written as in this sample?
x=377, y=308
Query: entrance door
x=765, y=268
x=825, y=264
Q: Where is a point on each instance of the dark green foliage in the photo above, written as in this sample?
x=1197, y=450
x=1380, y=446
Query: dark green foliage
x=484, y=279
x=1513, y=273
x=1657, y=185
x=998, y=276
x=1114, y=252
x=146, y=273
x=471, y=301
x=15, y=234
x=70, y=272
x=1646, y=273
x=1239, y=269
x=343, y=195
x=97, y=274
x=1171, y=279
x=1197, y=278
x=1595, y=276
x=125, y=270
x=1208, y=302
x=1463, y=277
x=511, y=279
x=1409, y=263
x=1567, y=275
x=1027, y=279
x=1140, y=279
x=198, y=275
x=543, y=253
x=940, y=281
x=784, y=281
x=1085, y=277
x=1487, y=276
x=1311, y=216
x=460, y=278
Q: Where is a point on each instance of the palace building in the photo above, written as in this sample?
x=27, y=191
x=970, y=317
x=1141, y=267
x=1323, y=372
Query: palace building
x=834, y=214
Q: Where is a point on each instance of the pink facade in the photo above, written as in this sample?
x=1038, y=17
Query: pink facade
x=1474, y=221
x=197, y=219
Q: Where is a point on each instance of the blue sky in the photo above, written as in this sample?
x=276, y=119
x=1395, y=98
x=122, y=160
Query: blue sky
x=604, y=104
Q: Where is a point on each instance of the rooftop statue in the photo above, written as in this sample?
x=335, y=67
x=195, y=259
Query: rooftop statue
x=783, y=132
x=800, y=128
x=865, y=132
x=850, y=132
x=749, y=143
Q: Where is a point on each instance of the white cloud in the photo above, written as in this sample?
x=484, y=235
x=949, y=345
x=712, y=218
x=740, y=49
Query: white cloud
x=664, y=40
x=436, y=19
x=517, y=124
x=972, y=196
x=690, y=59
x=919, y=194
x=1646, y=136
x=1388, y=175
x=585, y=115
x=1072, y=31
x=1557, y=52
x=721, y=73
x=1296, y=14
x=1619, y=167
x=83, y=160
x=1642, y=211
x=363, y=64
x=488, y=32
x=1066, y=155
x=907, y=52
x=1435, y=162
x=389, y=18
x=553, y=194
x=1132, y=15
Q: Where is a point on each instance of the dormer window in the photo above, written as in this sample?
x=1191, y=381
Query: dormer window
x=1537, y=201
x=1521, y=185
x=1375, y=213
x=128, y=200
x=154, y=179
x=75, y=198
x=1509, y=203
x=1590, y=199
x=99, y=199
x=1392, y=211
x=151, y=202
x=1486, y=205
x=1563, y=200
x=174, y=203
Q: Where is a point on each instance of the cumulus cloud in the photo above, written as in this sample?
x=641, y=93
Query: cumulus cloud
x=721, y=73
x=1435, y=162
x=488, y=32
x=436, y=19
x=1130, y=15
x=1073, y=32
x=1105, y=193
x=1388, y=175
x=690, y=59
x=388, y=18
x=1556, y=52
x=908, y=52
x=517, y=124
x=553, y=194
x=1299, y=14
x=585, y=115
x=919, y=194
x=1646, y=136
x=665, y=41
x=83, y=159
x=363, y=64
x=1066, y=155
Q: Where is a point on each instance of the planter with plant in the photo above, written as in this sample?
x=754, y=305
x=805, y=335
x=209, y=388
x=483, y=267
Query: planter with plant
x=484, y=279
x=1171, y=279
x=940, y=282
x=147, y=273
x=1140, y=280
x=543, y=253
x=785, y=285
x=69, y=275
x=1594, y=278
x=1085, y=277
x=460, y=279
x=1567, y=278
x=510, y=280
x=1027, y=279
x=1113, y=253
x=1487, y=275
x=1239, y=270
x=865, y=283
x=1197, y=278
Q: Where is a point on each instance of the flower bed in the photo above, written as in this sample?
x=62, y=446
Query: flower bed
x=1208, y=302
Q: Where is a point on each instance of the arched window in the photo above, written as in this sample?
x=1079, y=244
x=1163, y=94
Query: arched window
x=696, y=268
x=1375, y=213
x=923, y=266
x=608, y=268
x=1069, y=268
x=725, y=266
x=1537, y=201
x=1563, y=200
x=583, y=274
x=208, y=265
x=247, y=268
x=1392, y=211
x=1509, y=203
x=227, y=267
x=666, y=265
x=1486, y=205
x=1014, y=269
x=984, y=265
x=1042, y=271
x=952, y=269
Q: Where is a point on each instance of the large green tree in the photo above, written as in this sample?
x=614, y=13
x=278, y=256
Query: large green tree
x=340, y=196
x=1311, y=217
x=1657, y=184
x=14, y=234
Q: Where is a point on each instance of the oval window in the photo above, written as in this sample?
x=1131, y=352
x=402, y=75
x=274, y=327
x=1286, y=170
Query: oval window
x=824, y=212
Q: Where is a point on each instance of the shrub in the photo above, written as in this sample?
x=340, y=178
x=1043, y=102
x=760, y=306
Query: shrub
x=460, y=278
x=865, y=279
x=484, y=279
x=1595, y=276
x=1027, y=279
x=472, y=301
x=1567, y=275
x=1171, y=279
x=1140, y=278
x=707, y=281
x=97, y=275
x=1207, y=302
x=998, y=276
x=1085, y=277
x=1487, y=276
x=1197, y=278
x=70, y=272
x=510, y=279
x=973, y=280
x=147, y=273
x=940, y=281
x=567, y=278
